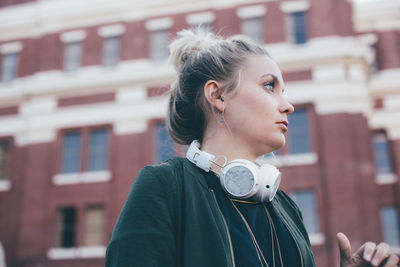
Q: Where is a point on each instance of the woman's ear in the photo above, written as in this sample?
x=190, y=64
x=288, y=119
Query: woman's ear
x=213, y=93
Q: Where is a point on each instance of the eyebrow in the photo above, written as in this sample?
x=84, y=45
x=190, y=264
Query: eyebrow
x=275, y=79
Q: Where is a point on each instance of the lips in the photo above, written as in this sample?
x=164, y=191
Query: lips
x=284, y=125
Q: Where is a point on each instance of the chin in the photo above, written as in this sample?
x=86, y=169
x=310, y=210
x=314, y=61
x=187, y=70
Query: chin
x=271, y=145
x=278, y=143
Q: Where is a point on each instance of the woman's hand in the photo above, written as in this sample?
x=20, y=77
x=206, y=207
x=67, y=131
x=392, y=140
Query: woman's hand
x=368, y=254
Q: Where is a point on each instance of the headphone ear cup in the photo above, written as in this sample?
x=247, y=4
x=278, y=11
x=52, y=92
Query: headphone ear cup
x=270, y=180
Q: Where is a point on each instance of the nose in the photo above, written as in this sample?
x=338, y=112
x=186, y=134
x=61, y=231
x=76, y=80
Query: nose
x=286, y=107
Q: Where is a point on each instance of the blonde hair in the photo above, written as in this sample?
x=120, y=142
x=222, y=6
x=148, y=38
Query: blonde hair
x=198, y=57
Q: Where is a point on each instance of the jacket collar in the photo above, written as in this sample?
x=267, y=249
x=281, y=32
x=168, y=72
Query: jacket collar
x=195, y=171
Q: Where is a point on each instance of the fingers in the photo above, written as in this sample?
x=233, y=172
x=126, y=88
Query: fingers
x=369, y=249
x=393, y=260
x=381, y=252
x=344, y=248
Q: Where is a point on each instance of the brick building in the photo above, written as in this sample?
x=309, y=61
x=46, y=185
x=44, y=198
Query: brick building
x=83, y=98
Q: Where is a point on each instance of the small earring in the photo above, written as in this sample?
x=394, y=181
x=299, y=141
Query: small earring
x=222, y=120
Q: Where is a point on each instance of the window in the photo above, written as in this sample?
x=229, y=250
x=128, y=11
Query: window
x=9, y=66
x=164, y=144
x=382, y=154
x=72, y=55
x=253, y=27
x=299, y=133
x=306, y=202
x=95, y=148
x=71, y=157
x=98, y=150
x=94, y=226
x=202, y=27
x=159, y=44
x=390, y=225
x=4, y=159
x=66, y=227
x=296, y=27
x=111, y=50
x=201, y=21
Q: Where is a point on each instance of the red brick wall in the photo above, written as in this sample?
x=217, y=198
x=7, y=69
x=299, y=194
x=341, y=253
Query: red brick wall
x=326, y=17
x=348, y=180
x=388, y=54
x=92, y=47
x=275, y=23
x=48, y=53
x=227, y=21
x=10, y=206
x=28, y=230
x=135, y=41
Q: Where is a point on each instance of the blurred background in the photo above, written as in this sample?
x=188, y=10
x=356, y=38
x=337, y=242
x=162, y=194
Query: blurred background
x=83, y=95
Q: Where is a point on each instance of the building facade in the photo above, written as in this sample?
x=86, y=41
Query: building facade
x=83, y=96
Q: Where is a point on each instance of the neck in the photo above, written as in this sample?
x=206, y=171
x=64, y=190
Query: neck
x=226, y=145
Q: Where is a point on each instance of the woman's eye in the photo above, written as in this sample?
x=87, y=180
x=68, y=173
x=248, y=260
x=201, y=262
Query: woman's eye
x=269, y=86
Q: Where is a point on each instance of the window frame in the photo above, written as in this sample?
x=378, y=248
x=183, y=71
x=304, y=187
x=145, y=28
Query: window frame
x=13, y=69
x=85, y=146
x=116, y=58
x=397, y=216
x=79, y=250
x=389, y=155
x=292, y=29
x=58, y=233
x=155, y=56
x=179, y=150
x=84, y=175
x=67, y=60
x=318, y=237
x=6, y=184
x=261, y=34
x=85, y=224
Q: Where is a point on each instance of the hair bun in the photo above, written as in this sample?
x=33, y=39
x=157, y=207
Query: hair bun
x=188, y=43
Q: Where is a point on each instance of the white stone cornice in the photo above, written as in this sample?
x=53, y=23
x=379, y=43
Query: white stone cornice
x=159, y=24
x=88, y=79
x=385, y=82
x=10, y=48
x=295, y=6
x=319, y=51
x=73, y=36
x=111, y=30
x=382, y=15
x=200, y=18
x=251, y=11
x=38, y=18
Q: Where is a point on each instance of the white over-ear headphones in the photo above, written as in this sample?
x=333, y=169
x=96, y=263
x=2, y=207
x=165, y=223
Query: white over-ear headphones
x=240, y=178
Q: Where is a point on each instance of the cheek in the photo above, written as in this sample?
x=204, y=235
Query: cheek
x=265, y=107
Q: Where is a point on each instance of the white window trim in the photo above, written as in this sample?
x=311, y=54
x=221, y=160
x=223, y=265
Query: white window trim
x=11, y=48
x=76, y=252
x=394, y=250
x=5, y=185
x=251, y=11
x=295, y=6
x=111, y=30
x=159, y=24
x=200, y=18
x=386, y=178
x=317, y=239
x=82, y=178
x=292, y=159
x=73, y=36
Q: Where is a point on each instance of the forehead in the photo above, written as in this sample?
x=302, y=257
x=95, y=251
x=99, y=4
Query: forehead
x=260, y=65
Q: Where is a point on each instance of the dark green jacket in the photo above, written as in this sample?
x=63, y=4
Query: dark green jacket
x=171, y=218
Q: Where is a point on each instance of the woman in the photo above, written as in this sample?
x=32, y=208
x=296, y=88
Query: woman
x=229, y=97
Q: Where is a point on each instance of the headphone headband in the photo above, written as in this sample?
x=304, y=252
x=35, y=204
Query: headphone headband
x=202, y=159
